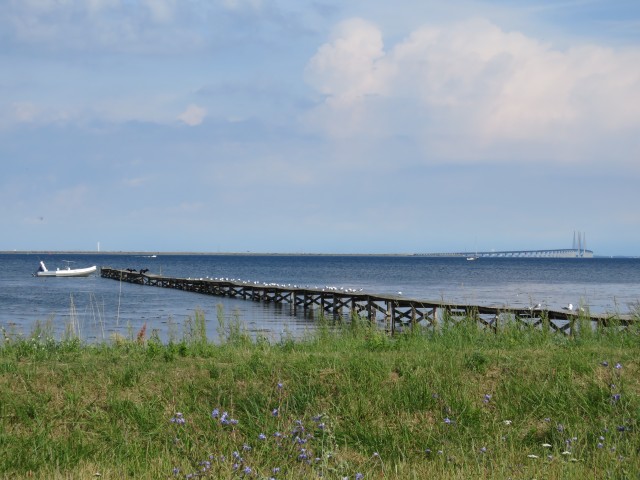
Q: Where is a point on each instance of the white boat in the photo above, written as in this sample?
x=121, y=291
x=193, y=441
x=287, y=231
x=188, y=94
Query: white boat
x=472, y=258
x=64, y=272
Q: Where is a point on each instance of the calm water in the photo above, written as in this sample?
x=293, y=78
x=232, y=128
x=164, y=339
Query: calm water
x=103, y=307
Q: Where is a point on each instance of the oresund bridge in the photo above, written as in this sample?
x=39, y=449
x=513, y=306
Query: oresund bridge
x=558, y=253
x=578, y=250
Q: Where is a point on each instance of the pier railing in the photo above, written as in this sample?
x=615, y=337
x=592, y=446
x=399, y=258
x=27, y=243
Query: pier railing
x=394, y=310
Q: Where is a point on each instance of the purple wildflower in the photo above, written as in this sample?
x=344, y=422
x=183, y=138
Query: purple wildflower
x=215, y=413
x=176, y=471
x=615, y=397
x=447, y=420
x=247, y=470
x=280, y=386
x=275, y=470
x=262, y=436
x=618, y=366
x=483, y=450
x=487, y=398
x=178, y=419
x=605, y=363
x=246, y=448
x=600, y=445
x=274, y=412
x=359, y=476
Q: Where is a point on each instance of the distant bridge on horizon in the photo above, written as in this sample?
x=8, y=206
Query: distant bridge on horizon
x=578, y=250
x=557, y=253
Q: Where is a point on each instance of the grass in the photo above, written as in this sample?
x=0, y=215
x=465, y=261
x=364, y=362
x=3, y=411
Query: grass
x=346, y=401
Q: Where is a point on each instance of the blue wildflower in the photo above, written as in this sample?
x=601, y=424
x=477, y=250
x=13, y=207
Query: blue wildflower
x=605, y=363
x=618, y=366
x=447, y=420
x=615, y=397
x=274, y=412
x=247, y=470
x=359, y=476
x=262, y=436
x=487, y=398
x=215, y=413
x=275, y=470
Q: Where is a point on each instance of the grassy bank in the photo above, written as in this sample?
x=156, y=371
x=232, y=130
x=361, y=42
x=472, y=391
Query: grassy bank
x=344, y=402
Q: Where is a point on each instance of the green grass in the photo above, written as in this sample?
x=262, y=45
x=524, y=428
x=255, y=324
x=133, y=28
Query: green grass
x=455, y=403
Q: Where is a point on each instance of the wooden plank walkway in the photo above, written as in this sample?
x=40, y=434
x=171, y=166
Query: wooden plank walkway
x=394, y=310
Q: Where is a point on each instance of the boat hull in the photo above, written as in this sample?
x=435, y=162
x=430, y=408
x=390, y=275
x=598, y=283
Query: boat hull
x=68, y=272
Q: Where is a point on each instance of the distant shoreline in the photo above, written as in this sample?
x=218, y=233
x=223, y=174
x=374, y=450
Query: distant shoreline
x=257, y=254
x=274, y=254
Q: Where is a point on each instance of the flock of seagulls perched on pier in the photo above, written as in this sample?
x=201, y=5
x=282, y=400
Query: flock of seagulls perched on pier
x=326, y=288
x=329, y=288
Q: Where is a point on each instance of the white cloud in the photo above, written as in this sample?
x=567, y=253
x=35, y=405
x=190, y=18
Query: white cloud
x=473, y=85
x=161, y=10
x=193, y=115
x=351, y=65
x=238, y=4
x=24, y=112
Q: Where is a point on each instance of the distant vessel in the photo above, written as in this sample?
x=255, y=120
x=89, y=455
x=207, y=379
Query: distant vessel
x=65, y=272
x=472, y=258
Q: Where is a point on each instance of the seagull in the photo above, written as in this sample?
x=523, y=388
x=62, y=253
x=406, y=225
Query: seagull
x=568, y=307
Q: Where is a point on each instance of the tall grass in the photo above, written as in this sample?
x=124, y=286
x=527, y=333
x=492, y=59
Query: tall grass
x=345, y=401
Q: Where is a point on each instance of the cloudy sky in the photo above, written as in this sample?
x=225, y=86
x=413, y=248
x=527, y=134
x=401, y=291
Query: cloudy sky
x=319, y=125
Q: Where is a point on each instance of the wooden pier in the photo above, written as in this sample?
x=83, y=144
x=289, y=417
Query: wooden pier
x=394, y=310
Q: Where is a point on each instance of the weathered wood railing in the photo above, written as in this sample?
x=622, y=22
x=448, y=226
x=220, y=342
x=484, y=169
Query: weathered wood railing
x=393, y=309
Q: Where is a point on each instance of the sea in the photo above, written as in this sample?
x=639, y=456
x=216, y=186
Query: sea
x=99, y=309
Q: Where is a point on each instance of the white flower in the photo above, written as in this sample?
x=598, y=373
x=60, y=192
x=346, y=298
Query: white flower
x=546, y=445
x=566, y=452
x=532, y=456
x=507, y=422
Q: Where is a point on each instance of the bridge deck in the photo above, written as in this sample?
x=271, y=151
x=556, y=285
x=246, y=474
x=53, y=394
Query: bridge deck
x=557, y=253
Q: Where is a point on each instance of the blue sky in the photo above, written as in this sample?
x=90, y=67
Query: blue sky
x=319, y=126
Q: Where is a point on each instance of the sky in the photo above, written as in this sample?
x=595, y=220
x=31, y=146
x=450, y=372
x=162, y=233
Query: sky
x=319, y=126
